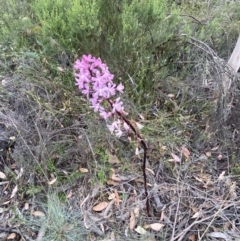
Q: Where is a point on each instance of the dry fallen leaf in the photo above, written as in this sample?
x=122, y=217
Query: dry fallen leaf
x=146, y=226
x=134, y=192
x=192, y=237
x=137, y=151
x=232, y=187
x=52, y=181
x=150, y=170
x=101, y=206
x=139, y=126
x=115, y=178
x=117, y=200
x=208, y=154
x=26, y=206
x=132, y=222
x=185, y=152
x=83, y=170
x=102, y=228
x=162, y=216
x=20, y=173
x=221, y=235
x=11, y=236
x=195, y=209
x=60, y=69
x=204, y=179
x=136, y=211
x=197, y=214
x=140, y=230
x=2, y=175
x=156, y=226
x=14, y=191
x=12, y=138
x=111, y=196
x=163, y=148
x=171, y=95
x=38, y=214
x=141, y=117
x=113, y=159
x=221, y=176
x=176, y=158
x=112, y=183
x=13, y=166
x=4, y=82
x=70, y=194
x=227, y=226
x=220, y=157
x=215, y=148
x=198, y=179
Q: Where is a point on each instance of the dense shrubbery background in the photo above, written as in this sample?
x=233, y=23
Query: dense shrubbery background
x=131, y=36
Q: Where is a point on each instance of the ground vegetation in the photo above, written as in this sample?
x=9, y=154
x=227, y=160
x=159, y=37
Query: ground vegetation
x=63, y=176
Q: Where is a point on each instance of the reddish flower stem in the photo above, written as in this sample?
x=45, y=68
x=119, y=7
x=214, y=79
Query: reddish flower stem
x=145, y=148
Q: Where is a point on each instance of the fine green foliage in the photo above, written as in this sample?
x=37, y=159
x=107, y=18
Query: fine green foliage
x=16, y=25
x=128, y=35
x=213, y=22
x=59, y=223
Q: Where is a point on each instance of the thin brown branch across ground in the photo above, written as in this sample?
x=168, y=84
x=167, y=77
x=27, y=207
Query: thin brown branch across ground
x=175, y=220
x=180, y=236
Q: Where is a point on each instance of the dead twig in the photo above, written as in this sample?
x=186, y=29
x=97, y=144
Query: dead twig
x=175, y=220
x=218, y=211
x=180, y=236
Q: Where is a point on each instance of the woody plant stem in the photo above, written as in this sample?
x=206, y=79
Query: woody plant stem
x=145, y=149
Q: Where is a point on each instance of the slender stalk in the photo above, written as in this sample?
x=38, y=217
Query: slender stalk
x=145, y=149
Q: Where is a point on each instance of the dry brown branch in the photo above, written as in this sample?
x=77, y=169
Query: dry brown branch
x=180, y=236
x=175, y=220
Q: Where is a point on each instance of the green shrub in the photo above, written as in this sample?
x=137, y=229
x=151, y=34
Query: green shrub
x=15, y=22
x=214, y=22
x=131, y=36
